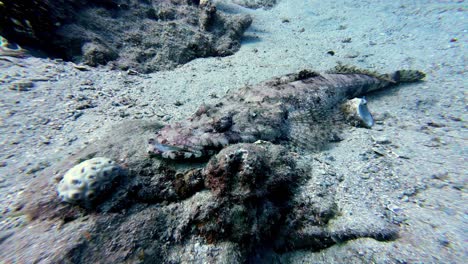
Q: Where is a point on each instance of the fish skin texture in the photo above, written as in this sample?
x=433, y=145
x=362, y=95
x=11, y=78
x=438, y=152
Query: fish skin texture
x=269, y=111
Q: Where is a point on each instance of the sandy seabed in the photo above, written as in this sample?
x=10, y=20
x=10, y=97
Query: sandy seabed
x=420, y=135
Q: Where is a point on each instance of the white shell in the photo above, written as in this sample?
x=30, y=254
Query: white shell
x=357, y=113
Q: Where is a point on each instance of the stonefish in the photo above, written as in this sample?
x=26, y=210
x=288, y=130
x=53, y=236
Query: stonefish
x=279, y=110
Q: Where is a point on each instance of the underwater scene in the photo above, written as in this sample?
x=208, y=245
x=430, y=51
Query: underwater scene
x=233, y=131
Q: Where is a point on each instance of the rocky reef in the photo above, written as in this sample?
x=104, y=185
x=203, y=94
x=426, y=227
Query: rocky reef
x=144, y=36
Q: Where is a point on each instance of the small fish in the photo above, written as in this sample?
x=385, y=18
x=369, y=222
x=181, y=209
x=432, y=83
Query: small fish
x=271, y=111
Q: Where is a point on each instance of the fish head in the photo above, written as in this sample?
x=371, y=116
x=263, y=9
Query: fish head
x=182, y=141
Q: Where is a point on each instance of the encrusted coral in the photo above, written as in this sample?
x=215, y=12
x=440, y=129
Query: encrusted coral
x=88, y=180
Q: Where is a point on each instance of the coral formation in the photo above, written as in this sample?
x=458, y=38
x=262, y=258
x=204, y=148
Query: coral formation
x=88, y=180
x=144, y=36
x=161, y=183
x=186, y=184
x=273, y=111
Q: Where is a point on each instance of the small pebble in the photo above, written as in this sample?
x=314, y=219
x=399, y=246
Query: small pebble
x=364, y=176
x=21, y=86
x=352, y=55
x=379, y=151
x=372, y=169
x=382, y=140
x=444, y=241
x=435, y=124
x=394, y=208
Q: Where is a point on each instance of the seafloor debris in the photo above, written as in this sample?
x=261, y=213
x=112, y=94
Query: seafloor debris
x=21, y=86
x=297, y=108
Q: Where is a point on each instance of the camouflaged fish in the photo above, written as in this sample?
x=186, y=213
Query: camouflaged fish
x=272, y=110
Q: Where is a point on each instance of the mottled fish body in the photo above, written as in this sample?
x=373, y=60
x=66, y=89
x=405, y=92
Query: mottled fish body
x=268, y=111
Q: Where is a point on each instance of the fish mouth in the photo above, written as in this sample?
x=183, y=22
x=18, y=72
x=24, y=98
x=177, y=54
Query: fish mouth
x=172, y=152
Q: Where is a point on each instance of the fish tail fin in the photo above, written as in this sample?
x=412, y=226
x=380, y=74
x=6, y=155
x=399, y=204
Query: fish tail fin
x=407, y=76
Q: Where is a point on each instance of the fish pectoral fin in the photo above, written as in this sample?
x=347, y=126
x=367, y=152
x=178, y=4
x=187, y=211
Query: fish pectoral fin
x=314, y=128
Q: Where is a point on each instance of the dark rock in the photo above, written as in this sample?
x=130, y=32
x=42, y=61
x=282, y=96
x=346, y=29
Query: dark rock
x=187, y=184
x=144, y=36
x=95, y=54
x=21, y=86
x=252, y=184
